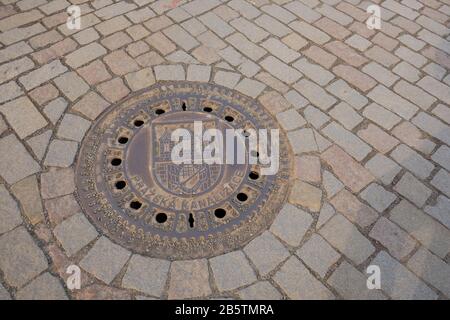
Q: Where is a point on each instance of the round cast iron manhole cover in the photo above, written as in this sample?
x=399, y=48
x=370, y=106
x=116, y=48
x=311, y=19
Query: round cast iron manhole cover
x=130, y=188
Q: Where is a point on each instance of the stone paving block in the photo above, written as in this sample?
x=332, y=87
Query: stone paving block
x=291, y=224
x=55, y=109
x=382, y=56
x=198, y=73
x=266, y=253
x=86, y=36
x=140, y=79
x=61, y=153
x=325, y=214
x=355, y=77
x=314, y=71
x=343, y=91
x=432, y=269
x=318, y=255
x=393, y=102
x=280, y=70
x=442, y=112
x=231, y=271
x=347, y=140
x=281, y=51
x=116, y=40
x=290, y=119
x=244, y=8
x=315, y=94
x=45, y=73
x=14, y=68
x=440, y=211
x=91, y=105
x=169, y=72
x=412, y=136
x=39, y=143
x=345, y=237
x=398, y=242
x=57, y=182
x=251, y=88
x=302, y=141
x=294, y=41
x=306, y=195
x=73, y=127
x=407, y=71
x=112, y=25
x=20, y=19
x=414, y=94
x=412, y=189
x=72, y=85
x=378, y=197
x=353, y=209
x=23, y=117
x=189, y=279
x=16, y=163
x=197, y=7
x=120, y=63
x=320, y=56
x=379, y=139
x=105, y=260
x=59, y=209
x=181, y=37
x=278, y=12
x=380, y=73
x=331, y=184
x=227, y=79
x=358, y=42
x=433, y=126
x=332, y=28
x=412, y=161
x=44, y=94
x=421, y=226
x=113, y=90
x=21, y=259
x=14, y=51
x=147, y=275
x=303, y=11
x=75, y=233
x=307, y=168
x=400, y=283
x=248, y=48
x=352, y=284
x=45, y=287
x=315, y=117
x=346, y=53
x=84, y=55
x=216, y=24
x=27, y=192
x=17, y=34
x=442, y=182
x=94, y=72
x=383, y=168
x=9, y=211
x=346, y=115
x=310, y=32
x=115, y=10
x=262, y=290
x=299, y=283
x=350, y=172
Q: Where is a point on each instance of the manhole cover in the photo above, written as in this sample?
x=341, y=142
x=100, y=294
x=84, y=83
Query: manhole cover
x=131, y=189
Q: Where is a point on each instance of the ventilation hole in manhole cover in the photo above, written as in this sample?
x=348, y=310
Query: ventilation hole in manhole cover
x=132, y=189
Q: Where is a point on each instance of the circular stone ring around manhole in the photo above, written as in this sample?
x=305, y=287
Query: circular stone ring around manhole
x=130, y=188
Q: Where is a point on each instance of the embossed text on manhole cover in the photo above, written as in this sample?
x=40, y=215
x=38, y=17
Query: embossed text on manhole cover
x=130, y=187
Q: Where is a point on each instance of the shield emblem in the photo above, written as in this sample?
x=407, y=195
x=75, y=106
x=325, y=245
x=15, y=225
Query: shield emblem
x=180, y=179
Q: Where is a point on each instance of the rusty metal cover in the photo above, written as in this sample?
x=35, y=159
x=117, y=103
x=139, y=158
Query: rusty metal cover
x=132, y=191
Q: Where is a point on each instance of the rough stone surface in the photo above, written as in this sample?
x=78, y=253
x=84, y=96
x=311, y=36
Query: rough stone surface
x=105, y=260
x=21, y=259
x=189, y=279
x=145, y=274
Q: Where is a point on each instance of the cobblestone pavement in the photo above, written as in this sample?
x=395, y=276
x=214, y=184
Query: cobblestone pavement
x=366, y=112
